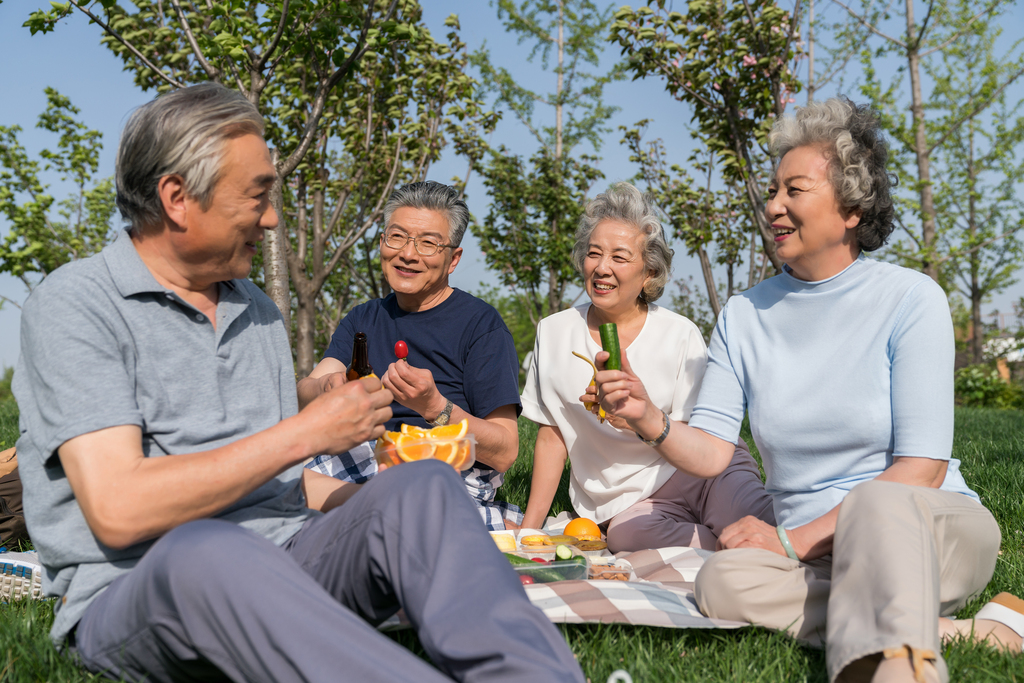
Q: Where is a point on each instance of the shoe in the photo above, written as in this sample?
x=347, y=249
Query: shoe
x=21, y=576
x=1006, y=609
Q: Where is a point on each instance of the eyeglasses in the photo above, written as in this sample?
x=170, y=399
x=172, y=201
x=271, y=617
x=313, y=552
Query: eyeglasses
x=425, y=246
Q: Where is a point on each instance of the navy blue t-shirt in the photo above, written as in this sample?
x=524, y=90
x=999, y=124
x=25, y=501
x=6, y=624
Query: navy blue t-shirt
x=462, y=341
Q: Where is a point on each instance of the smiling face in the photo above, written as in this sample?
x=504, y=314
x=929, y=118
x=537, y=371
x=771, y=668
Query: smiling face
x=220, y=241
x=613, y=269
x=419, y=282
x=814, y=235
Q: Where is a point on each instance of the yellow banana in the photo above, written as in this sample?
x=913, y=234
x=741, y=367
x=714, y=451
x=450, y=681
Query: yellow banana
x=589, y=405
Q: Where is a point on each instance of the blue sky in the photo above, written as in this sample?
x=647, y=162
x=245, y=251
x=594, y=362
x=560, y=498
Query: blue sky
x=72, y=61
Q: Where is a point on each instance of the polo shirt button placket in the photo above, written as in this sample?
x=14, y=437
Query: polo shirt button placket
x=199, y=317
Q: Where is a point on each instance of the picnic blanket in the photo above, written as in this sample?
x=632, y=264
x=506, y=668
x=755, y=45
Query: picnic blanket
x=659, y=593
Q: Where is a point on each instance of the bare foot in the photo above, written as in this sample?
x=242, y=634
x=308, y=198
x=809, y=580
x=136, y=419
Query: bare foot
x=999, y=636
x=901, y=671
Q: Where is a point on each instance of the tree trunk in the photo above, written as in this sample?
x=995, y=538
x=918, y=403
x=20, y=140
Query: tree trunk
x=810, y=54
x=928, y=265
x=978, y=335
x=275, y=263
x=305, y=331
x=755, y=201
x=709, y=281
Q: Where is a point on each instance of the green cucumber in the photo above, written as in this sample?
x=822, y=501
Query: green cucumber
x=610, y=343
x=540, y=573
x=562, y=552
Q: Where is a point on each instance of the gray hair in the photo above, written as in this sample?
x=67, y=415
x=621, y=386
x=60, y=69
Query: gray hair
x=434, y=197
x=851, y=139
x=183, y=132
x=626, y=204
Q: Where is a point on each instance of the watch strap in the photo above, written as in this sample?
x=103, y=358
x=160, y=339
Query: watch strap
x=446, y=415
x=653, y=443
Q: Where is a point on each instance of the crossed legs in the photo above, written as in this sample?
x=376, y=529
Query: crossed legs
x=904, y=556
x=213, y=601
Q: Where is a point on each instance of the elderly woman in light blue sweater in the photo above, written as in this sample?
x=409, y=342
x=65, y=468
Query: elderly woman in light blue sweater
x=845, y=365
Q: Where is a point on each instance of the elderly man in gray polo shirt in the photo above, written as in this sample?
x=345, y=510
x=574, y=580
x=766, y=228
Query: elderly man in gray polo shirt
x=161, y=452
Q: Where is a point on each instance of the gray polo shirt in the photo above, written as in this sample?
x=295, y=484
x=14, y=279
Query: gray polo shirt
x=102, y=345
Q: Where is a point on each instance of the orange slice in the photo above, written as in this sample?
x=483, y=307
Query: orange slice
x=462, y=458
x=413, y=430
x=455, y=431
x=412, y=448
x=447, y=451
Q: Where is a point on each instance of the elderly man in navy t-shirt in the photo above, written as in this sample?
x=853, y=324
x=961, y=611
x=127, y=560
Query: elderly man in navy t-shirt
x=462, y=363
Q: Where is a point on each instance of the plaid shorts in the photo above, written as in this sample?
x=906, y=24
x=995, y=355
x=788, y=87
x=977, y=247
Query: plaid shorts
x=358, y=466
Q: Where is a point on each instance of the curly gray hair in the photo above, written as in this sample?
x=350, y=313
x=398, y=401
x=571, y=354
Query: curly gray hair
x=183, y=132
x=623, y=202
x=851, y=140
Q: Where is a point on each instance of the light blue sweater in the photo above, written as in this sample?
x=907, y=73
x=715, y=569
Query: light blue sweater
x=839, y=376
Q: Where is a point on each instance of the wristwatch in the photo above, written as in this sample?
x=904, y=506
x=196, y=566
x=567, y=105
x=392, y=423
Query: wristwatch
x=654, y=443
x=445, y=415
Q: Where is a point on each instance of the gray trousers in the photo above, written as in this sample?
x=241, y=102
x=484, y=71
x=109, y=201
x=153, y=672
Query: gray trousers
x=691, y=512
x=902, y=557
x=211, y=601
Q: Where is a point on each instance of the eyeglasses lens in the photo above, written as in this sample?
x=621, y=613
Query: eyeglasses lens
x=398, y=240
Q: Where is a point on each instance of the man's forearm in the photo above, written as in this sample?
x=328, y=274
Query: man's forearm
x=150, y=496
x=497, y=437
x=307, y=390
x=127, y=498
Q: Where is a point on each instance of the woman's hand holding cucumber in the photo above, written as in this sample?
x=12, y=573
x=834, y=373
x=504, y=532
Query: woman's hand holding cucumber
x=623, y=395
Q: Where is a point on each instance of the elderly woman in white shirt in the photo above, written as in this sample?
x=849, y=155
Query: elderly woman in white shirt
x=616, y=477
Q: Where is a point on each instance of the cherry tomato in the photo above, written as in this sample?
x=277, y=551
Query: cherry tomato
x=401, y=349
x=525, y=580
x=539, y=560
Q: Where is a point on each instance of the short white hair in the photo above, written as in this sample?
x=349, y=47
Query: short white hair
x=183, y=132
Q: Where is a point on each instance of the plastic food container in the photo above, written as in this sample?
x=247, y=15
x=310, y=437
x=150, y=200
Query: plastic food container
x=609, y=570
x=569, y=570
x=459, y=453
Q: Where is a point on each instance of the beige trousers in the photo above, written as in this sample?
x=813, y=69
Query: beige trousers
x=902, y=557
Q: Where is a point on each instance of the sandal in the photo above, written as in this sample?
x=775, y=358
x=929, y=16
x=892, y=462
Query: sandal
x=1006, y=609
x=916, y=656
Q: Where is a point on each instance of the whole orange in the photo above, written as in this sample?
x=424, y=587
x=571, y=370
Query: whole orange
x=584, y=529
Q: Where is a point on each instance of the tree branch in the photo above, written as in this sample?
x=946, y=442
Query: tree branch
x=130, y=47
x=262, y=61
x=967, y=25
x=974, y=112
x=322, y=90
x=11, y=301
x=960, y=254
x=213, y=73
x=868, y=26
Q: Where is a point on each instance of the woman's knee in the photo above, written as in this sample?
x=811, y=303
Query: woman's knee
x=719, y=584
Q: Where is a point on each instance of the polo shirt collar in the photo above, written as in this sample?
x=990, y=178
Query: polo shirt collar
x=131, y=276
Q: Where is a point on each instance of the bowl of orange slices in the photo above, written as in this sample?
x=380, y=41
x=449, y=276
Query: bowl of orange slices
x=451, y=443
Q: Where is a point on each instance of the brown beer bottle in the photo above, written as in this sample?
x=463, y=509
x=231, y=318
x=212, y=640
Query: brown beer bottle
x=360, y=365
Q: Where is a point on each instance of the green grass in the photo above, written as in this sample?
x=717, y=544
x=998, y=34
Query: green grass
x=990, y=444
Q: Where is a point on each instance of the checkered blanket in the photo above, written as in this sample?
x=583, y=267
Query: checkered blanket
x=659, y=593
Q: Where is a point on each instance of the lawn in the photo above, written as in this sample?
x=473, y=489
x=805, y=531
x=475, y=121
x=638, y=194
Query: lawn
x=990, y=444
